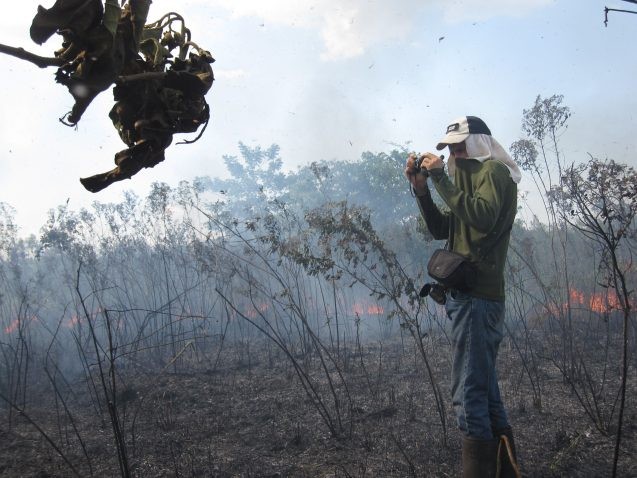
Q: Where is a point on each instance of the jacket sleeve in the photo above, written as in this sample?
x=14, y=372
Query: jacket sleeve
x=437, y=222
x=481, y=209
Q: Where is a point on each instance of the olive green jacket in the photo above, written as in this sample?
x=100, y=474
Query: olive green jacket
x=482, y=202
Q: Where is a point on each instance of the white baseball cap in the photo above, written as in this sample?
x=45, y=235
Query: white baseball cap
x=461, y=128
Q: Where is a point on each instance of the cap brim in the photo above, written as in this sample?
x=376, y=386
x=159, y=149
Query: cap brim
x=451, y=138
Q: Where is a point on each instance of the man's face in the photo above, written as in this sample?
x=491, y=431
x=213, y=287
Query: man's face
x=458, y=150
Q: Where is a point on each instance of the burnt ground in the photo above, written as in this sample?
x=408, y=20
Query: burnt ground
x=251, y=417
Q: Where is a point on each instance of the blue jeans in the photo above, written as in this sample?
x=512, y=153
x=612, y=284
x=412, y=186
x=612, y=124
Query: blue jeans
x=476, y=333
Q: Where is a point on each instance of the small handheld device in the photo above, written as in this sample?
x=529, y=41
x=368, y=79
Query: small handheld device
x=419, y=168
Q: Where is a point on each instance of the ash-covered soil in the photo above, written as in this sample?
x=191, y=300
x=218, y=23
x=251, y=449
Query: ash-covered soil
x=253, y=416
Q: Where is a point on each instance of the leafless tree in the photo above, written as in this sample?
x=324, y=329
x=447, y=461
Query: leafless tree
x=599, y=199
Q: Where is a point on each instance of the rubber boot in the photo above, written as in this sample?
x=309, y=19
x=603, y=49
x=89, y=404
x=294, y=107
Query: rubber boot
x=479, y=457
x=507, y=454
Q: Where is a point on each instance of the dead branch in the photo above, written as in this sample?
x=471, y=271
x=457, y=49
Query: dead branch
x=37, y=60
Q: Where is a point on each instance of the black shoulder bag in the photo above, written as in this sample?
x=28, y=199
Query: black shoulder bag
x=455, y=271
x=452, y=270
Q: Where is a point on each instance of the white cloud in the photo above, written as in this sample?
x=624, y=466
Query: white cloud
x=229, y=74
x=480, y=10
x=349, y=27
x=285, y=12
x=342, y=38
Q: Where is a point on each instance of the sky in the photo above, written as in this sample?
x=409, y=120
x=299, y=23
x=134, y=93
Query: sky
x=329, y=80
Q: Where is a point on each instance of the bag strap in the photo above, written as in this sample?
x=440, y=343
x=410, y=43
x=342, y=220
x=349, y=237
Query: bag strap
x=449, y=246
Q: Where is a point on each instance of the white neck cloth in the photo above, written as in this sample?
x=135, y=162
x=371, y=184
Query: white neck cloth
x=482, y=147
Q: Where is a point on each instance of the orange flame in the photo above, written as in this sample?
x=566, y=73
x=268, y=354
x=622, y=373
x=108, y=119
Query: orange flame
x=600, y=302
x=15, y=324
x=576, y=296
x=12, y=327
x=367, y=309
x=254, y=312
x=72, y=321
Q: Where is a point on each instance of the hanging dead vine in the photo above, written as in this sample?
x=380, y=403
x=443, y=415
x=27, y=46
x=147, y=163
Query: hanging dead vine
x=157, y=93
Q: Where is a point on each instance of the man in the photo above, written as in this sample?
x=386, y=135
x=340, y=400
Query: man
x=481, y=195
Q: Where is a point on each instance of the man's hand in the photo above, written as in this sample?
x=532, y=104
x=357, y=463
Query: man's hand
x=431, y=161
x=417, y=179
